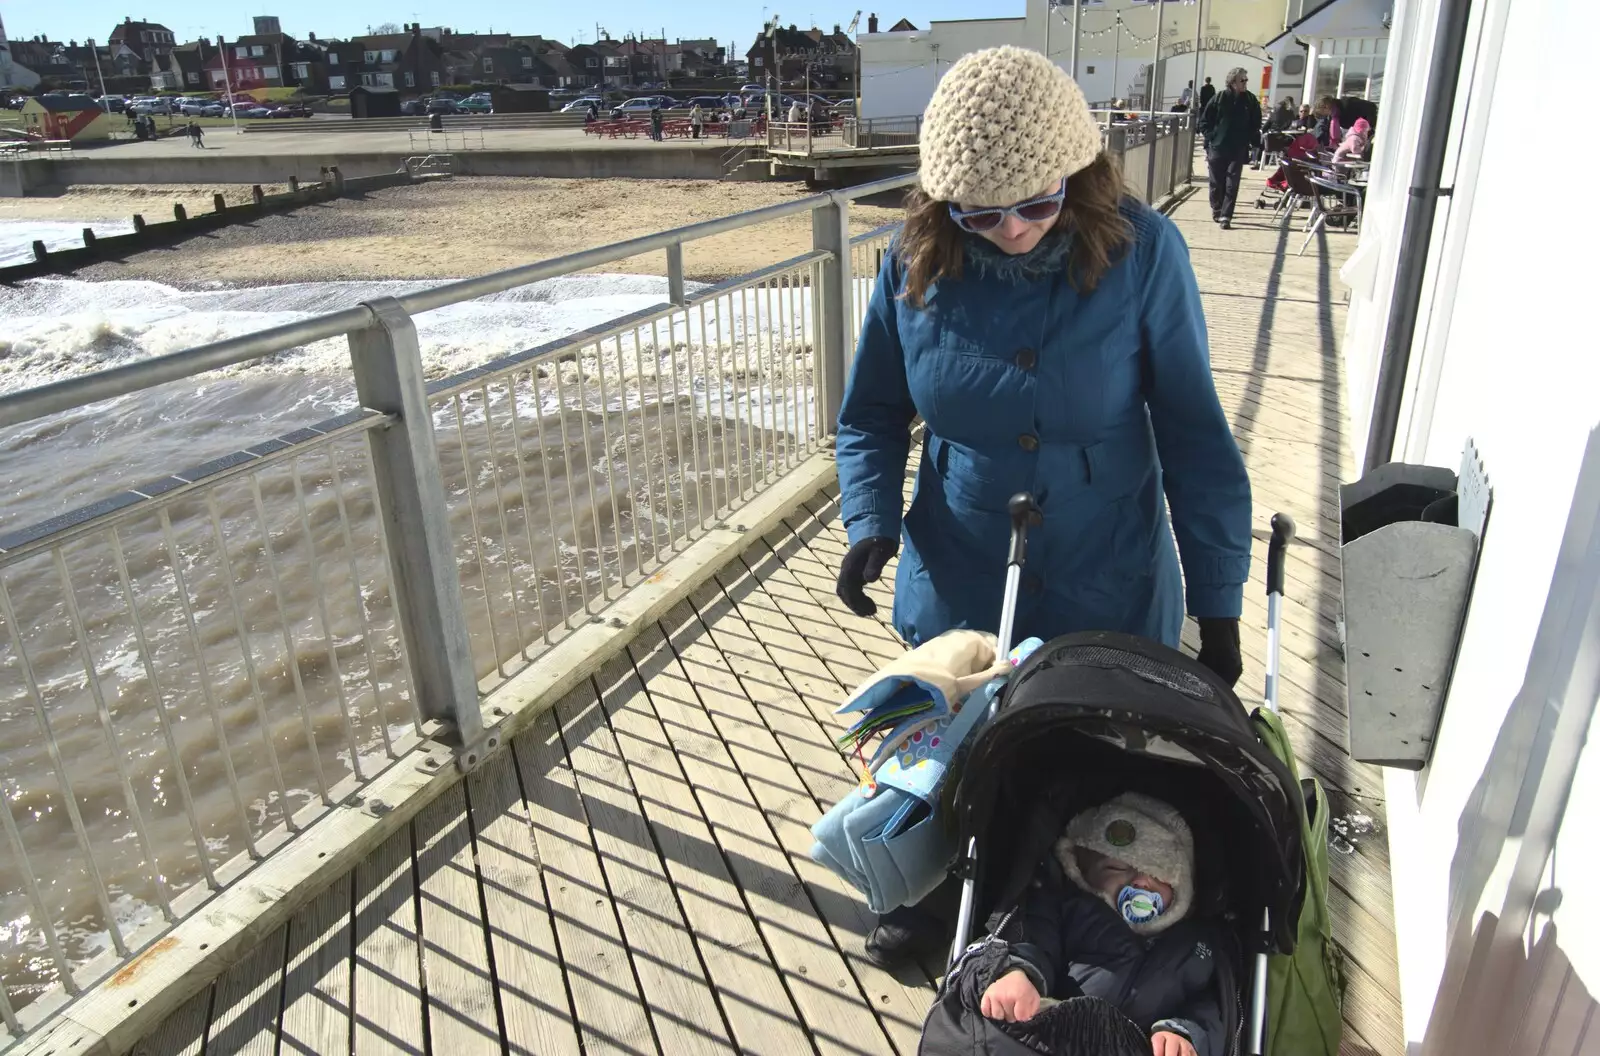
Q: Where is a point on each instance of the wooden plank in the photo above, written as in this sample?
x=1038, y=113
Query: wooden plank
x=605, y=998
x=456, y=973
x=316, y=985
x=759, y=810
x=1374, y=1011
x=528, y=972
x=761, y=1012
x=666, y=960
x=244, y=1009
x=183, y=1033
x=388, y=981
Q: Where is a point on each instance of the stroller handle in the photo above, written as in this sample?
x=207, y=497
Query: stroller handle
x=1277, y=550
x=1025, y=514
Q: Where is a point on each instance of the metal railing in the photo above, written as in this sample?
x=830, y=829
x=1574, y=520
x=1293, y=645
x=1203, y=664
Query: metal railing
x=1157, y=155
x=193, y=671
x=867, y=132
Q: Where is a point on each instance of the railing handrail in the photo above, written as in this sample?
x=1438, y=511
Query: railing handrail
x=30, y=404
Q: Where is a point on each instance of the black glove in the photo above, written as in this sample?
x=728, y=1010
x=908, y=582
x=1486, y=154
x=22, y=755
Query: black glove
x=862, y=565
x=1219, y=647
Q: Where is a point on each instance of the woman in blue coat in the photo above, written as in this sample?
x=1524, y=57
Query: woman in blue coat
x=1047, y=330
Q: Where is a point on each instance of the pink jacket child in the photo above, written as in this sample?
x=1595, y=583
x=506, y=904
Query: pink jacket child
x=1354, y=144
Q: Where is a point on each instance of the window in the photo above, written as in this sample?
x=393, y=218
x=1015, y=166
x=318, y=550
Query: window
x=411, y=79
x=218, y=78
x=488, y=65
x=333, y=58
x=527, y=62
x=1090, y=69
x=371, y=57
x=241, y=52
x=433, y=78
x=591, y=62
x=269, y=73
x=302, y=70
x=193, y=78
x=258, y=51
x=336, y=82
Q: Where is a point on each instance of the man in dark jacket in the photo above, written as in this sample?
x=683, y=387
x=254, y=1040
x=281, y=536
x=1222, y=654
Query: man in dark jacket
x=1208, y=92
x=1231, y=124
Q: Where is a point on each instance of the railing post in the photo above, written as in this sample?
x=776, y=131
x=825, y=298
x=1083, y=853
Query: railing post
x=1117, y=141
x=416, y=524
x=830, y=233
x=1152, y=145
x=1177, y=142
x=675, y=273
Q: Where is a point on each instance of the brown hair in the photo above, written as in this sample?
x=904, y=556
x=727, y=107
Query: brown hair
x=931, y=244
x=1326, y=105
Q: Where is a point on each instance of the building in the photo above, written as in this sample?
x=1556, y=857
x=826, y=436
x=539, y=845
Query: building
x=184, y=68
x=595, y=65
x=1470, y=319
x=74, y=117
x=408, y=61
x=1342, y=46
x=13, y=74
x=783, y=53
x=50, y=62
x=1119, y=45
x=149, y=40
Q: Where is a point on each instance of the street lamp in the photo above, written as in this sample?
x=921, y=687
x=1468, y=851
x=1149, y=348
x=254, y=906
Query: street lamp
x=227, y=84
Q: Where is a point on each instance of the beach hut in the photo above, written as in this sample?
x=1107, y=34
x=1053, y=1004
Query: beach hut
x=520, y=99
x=366, y=101
x=74, y=117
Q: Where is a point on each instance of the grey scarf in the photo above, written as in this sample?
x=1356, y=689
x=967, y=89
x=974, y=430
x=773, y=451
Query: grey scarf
x=1049, y=257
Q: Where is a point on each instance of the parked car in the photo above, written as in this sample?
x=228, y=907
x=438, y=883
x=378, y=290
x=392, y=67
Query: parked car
x=200, y=108
x=642, y=105
x=291, y=110
x=111, y=104
x=711, y=102
x=152, y=105
x=480, y=103
x=414, y=107
x=582, y=104
x=443, y=104
x=752, y=88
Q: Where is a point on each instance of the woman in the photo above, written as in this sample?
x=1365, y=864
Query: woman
x=1047, y=329
x=697, y=120
x=1232, y=128
x=1330, y=128
x=1307, y=120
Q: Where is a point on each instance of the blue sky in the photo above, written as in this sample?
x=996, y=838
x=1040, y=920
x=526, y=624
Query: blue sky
x=736, y=20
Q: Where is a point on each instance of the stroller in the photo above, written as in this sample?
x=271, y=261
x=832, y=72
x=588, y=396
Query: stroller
x=1290, y=184
x=1090, y=716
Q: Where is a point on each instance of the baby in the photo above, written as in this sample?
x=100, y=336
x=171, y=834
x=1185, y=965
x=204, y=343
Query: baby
x=1106, y=918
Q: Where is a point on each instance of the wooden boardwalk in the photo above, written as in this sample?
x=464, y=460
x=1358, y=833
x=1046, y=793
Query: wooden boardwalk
x=632, y=875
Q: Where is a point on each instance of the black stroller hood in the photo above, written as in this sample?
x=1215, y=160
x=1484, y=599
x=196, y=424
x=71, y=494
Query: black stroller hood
x=1089, y=716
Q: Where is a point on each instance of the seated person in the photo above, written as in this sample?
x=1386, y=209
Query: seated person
x=1107, y=918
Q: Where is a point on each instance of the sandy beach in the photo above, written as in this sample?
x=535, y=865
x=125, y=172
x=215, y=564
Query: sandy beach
x=449, y=229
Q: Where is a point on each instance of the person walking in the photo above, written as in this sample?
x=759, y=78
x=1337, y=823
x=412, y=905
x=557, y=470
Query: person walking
x=697, y=120
x=1047, y=329
x=1208, y=92
x=1185, y=99
x=1231, y=126
x=655, y=123
x=196, y=135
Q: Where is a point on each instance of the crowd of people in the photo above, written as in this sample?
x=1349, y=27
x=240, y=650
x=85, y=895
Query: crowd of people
x=1236, y=133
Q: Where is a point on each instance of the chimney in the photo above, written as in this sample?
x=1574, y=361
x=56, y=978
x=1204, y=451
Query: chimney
x=872, y=23
x=836, y=29
x=311, y=37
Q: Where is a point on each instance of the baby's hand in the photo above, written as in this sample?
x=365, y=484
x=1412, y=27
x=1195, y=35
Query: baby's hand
x=1013, y=999
x=1166, y=1043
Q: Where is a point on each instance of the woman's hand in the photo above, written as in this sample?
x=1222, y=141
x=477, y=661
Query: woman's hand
x=1219, y=647
x=1013, y=999
x=1166, y=1043
x=862, y=565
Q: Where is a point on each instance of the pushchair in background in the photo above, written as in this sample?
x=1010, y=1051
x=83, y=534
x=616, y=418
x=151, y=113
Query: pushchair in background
x=1090, y=716
x=1289, y=186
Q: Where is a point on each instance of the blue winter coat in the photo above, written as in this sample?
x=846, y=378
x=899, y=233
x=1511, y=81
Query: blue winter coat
x=1102, y=405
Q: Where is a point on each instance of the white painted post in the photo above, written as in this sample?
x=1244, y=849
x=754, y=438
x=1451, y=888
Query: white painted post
x=416, y=523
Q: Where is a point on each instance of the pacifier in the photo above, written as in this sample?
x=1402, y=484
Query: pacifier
x=1138, y=905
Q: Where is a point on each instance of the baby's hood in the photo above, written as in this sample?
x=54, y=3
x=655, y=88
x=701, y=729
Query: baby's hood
x=1144, y=832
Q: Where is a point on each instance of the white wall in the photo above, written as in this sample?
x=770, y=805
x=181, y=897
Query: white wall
x=1505, y=354
x=900, y=70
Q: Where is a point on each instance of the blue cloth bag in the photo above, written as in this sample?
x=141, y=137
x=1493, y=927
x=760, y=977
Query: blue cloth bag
x=887, y=839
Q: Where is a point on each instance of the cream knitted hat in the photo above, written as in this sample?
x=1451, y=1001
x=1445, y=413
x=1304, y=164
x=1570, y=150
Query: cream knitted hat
x=1001, y=126
x=1141, y=831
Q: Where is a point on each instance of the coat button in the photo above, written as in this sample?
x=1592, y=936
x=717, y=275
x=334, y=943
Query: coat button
x=1028, y=442
x=1027, y=359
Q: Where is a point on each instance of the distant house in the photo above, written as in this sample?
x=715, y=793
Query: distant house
x=783, y=54
x=407, y=61
x=590, y=64
x=148, y=40
x=184, y=68
x=74, y=117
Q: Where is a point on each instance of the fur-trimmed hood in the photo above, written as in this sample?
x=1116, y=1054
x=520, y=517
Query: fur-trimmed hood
x=1147, y=834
